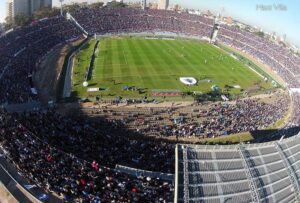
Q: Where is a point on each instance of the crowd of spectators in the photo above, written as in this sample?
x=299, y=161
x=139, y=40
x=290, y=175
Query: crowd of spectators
x=279, y=58
x=74, y=173
x=108, y=142
x=20, y=52
x=75, y=156
x=201, y=121
x=291, y=127
x=22, y=49
x=124, y=20
x=295, y=120
x=223, y=119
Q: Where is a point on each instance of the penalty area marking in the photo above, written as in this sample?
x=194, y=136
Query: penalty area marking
x=125, y=57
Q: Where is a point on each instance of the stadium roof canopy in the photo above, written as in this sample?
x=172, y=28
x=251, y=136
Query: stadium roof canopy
x=266, y=172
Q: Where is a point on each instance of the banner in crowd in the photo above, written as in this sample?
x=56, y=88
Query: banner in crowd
x=28, y=187
x=43, y=196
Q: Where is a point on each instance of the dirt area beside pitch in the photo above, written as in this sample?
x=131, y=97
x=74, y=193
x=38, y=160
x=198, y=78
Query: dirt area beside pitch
x=6, y=196
x=47, y=77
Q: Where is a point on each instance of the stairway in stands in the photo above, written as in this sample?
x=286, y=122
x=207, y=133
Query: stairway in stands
x=72, y=19
x=215, y=32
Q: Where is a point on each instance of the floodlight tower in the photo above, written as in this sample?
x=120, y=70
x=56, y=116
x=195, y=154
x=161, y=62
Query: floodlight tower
x=222, y=13
x=143, y=4
x=61, y=7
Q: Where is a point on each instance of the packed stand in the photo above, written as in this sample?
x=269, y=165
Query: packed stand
x=43, y=35
x=295, y=120
x=71, y=177
x=225, y=119
x=21, y=51
x=200, y=121
x=108, y=142
x=281, y=60
x=122, y=20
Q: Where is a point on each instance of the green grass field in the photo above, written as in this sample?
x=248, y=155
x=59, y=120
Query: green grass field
x=154, y=64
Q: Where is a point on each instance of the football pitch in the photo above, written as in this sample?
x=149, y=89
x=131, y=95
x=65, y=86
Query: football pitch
x=137, y=67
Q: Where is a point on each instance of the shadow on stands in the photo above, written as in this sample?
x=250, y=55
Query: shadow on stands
x=274, y=134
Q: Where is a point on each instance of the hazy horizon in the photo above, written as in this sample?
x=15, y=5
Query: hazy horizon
x=283, y=18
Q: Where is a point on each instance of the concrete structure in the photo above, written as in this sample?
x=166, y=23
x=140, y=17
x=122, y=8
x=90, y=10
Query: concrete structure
x=163, y=4
x=9, y=8
x=265, y=172
x=1, y=28
x=143, y=4
x=26, y=7
x=177, y=7
x=153, y=5
x=228, y=20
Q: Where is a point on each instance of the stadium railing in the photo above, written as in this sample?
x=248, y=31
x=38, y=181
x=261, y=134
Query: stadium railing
x=14, y=187
x=138, y=172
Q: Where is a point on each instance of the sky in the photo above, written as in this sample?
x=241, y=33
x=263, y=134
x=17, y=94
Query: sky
x=282, y=21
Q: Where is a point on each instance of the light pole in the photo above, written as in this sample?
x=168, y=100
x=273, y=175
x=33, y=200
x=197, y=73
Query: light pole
x=61, y=7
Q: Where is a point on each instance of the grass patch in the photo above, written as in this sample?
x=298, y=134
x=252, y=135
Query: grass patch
x=62, y=77
x=230, y=139
x=157, y=65
x=250, y=63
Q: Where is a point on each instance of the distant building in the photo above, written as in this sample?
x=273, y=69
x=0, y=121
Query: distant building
x=143, y=4
x=27, y=7
x=228, y=20
x=9, y=7
x=194, y=12
x=208, y=13
x=1, y=28
x=177, y=7
x=163, y=4
x=284, y=38
x=153, y=5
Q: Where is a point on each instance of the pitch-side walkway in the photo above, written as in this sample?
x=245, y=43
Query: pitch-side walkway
x=68, y=78
x=15, y=183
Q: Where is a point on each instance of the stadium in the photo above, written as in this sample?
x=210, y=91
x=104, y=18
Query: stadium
x=123, y=104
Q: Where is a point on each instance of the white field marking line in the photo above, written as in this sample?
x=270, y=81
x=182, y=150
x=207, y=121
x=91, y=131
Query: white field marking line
x=265, y=54
x=248, y=66
x=256, y=72
x=144, y=66
x=125, y=57
x=152, y=75
x=112, y=65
